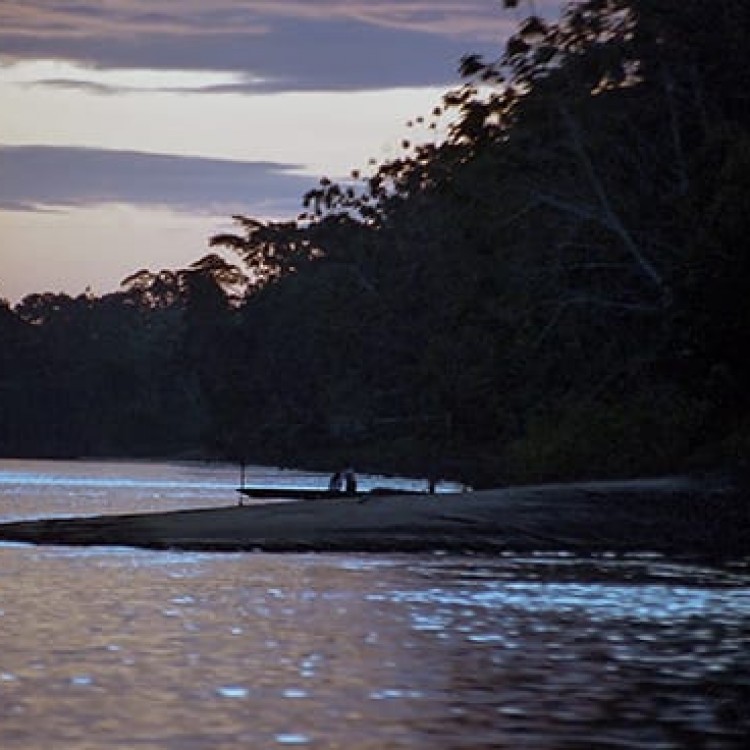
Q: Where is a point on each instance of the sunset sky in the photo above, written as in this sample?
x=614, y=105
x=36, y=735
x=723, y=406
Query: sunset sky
x=130, y=130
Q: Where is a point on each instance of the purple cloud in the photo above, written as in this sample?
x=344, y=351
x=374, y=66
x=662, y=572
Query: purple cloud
x=291, y=45
x=36, y=177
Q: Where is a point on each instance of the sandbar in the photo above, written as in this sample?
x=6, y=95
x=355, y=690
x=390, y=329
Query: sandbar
x=680, y=517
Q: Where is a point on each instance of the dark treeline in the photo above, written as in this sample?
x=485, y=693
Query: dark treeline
x=558, y=289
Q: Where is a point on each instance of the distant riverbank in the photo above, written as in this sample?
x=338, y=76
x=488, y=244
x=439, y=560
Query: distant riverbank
x=678, y=517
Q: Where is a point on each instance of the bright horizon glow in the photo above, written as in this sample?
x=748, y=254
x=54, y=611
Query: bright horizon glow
x=102, y=246
x=68, y=249
x=326, y=133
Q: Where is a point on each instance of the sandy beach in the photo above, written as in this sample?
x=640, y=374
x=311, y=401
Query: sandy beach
x=679, y=517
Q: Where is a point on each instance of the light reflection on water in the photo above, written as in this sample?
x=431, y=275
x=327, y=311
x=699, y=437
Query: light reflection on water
x=121, y=648
x=34, y=489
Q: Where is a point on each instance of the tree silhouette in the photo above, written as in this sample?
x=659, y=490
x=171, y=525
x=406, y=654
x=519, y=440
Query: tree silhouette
x=555, y=287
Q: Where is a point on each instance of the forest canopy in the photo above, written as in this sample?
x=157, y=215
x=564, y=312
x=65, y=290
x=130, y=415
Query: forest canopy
x=556, y=289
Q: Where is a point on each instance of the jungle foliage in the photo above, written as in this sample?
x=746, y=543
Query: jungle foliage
x=556, y=289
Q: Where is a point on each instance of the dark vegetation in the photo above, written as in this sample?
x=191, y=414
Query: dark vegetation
x=558, y=289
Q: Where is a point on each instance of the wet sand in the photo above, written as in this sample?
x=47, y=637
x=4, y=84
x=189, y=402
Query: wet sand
x=679, y=517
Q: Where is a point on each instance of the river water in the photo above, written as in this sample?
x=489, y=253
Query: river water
x=123, y=648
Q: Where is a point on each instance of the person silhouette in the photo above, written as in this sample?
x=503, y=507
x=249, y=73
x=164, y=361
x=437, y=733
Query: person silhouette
x=336, y=483
x=350, y=482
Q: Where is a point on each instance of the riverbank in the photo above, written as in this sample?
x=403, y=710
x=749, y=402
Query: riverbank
x=678, y=517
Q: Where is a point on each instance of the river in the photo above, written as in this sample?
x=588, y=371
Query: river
x=124, y=648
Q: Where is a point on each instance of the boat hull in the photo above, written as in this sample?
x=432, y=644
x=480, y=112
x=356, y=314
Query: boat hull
x=300, y=493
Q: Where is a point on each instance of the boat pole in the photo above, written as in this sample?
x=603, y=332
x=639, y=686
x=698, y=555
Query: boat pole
x=242, y=479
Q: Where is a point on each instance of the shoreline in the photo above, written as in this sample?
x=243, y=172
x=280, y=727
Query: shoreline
x=675, y=516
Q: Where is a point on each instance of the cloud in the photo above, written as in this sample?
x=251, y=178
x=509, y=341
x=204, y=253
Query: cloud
x=37, y=177
x=86, y=18
x=60, y=74
x=298, y=56
x=290, y=45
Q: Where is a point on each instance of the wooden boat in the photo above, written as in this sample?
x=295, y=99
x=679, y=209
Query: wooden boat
x=304, y=493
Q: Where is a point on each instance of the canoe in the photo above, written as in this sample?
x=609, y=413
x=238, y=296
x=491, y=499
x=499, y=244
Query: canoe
x=303, y=493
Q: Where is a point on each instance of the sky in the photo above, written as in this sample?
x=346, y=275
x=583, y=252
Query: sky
x=132, y=130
